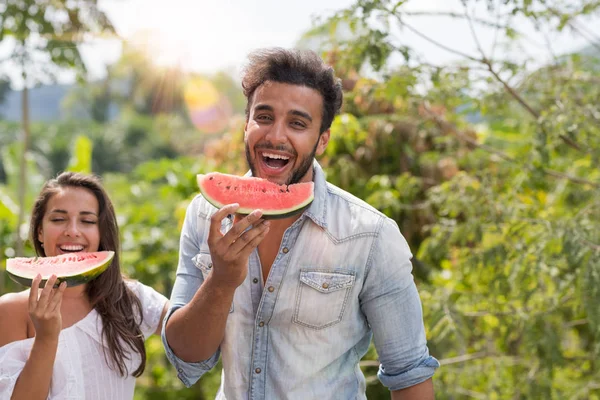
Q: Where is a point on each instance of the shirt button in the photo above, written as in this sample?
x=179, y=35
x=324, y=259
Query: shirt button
x=285, y=250
x=325, y=285
x=255, y=280
x=271, y=289
x=261, y=324
x=257, y=370
x=209, y=265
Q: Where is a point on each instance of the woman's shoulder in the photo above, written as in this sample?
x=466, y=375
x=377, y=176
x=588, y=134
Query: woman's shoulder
x=13, y=317
x=145, y=293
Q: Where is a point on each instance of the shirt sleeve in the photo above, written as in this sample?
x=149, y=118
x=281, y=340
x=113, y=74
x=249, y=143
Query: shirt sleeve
x=188, y=280
x=152, y=304
x=13, y=357
x=391, y=303
x=12, y=361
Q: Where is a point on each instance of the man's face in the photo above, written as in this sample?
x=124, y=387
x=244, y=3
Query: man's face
x=282, y=132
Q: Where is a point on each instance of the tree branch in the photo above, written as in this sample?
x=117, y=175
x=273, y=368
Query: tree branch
x=536, y=114
x=435, y=42
x=464, y=358
x=510, y=89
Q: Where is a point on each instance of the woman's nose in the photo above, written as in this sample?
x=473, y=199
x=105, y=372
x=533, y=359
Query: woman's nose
x=72, y=229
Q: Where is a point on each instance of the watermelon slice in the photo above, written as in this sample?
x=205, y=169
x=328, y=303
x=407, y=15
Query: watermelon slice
x=275, y=201
x=74, y=268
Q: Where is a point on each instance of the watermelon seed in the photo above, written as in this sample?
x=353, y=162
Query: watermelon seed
x=228, y=187
x=264, y=190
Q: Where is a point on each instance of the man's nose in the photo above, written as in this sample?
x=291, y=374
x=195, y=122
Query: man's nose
x=277, y=133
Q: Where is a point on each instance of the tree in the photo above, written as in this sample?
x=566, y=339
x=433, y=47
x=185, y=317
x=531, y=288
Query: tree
x=44, y=37
x=505, y=211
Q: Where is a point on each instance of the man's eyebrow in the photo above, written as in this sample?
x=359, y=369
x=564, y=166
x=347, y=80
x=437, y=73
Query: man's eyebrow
x=298, y=113
x=301, y=114
x=263, y=107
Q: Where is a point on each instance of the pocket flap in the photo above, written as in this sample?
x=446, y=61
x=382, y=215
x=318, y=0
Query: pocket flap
x=327, y=282
x=203, y=262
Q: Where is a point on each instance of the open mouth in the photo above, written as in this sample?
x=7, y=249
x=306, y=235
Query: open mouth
x=71, y=249
x=275, y=161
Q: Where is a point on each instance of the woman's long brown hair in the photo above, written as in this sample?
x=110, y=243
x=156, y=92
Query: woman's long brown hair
x=116, y=304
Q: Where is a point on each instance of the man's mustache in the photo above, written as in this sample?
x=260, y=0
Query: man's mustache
x=269, y=146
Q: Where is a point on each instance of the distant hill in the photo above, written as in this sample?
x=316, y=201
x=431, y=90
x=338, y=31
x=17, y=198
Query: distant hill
x=44, y=103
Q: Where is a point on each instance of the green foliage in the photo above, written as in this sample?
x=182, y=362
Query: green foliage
x=501, y=216
x=50, y=28
x=81, y=159
x=490, y=169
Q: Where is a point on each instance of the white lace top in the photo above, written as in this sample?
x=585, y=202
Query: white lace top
x=80, y=370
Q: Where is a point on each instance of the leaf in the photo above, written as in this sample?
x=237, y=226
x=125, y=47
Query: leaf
x=81, y=155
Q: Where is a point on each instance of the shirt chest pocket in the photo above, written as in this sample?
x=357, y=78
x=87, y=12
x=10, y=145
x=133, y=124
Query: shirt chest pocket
x=322, y=297
x=203, y=262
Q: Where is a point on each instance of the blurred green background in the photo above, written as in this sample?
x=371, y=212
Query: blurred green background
x=474, y=124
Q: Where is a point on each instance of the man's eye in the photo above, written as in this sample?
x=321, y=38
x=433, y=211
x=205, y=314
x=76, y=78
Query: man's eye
x=299, y=124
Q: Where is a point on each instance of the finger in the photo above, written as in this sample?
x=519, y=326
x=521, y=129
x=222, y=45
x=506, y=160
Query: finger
x=47, y=292
x=214, y=233
x=238, y=229
x=250, y=246
x=57, y=299
x=248, y=237
x=33, y=293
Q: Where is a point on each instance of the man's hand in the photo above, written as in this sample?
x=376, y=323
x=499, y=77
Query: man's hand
x=230, y=252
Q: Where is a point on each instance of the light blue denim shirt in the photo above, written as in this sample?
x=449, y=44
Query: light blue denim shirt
x=341, y=278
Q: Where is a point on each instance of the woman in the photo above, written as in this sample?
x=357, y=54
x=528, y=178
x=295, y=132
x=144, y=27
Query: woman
x=81, y=342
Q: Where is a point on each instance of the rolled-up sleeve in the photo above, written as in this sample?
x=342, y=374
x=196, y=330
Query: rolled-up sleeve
x=392, y=306
x=188, y=280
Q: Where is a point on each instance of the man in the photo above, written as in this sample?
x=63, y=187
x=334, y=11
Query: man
x=291, y=305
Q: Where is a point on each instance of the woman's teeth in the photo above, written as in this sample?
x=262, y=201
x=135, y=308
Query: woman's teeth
x=71, y=248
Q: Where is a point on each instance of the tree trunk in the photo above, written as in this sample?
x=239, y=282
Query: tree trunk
x=23, y=168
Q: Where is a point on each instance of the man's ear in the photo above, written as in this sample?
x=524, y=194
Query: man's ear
x=323, y=141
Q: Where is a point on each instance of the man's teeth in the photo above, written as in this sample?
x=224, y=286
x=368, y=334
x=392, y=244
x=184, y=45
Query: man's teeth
x=275, y=156
x=71, y=248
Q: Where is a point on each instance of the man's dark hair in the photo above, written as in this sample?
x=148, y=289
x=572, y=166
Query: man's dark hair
x=296, y=67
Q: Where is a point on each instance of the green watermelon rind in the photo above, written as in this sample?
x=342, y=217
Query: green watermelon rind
x=73, y=279
x=267, y=214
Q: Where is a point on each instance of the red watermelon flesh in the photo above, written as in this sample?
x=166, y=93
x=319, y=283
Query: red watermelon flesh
x=74, y=268
x=275, y=201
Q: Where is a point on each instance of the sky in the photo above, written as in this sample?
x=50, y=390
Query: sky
x=211, y=35
x=207, y=36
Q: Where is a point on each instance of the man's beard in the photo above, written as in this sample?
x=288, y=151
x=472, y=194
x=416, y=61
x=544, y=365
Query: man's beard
x=297, y=174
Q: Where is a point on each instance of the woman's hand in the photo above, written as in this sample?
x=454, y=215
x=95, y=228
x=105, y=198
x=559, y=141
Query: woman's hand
x=45, y=310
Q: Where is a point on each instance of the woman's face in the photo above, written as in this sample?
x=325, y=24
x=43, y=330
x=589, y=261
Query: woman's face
x=70, y=223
